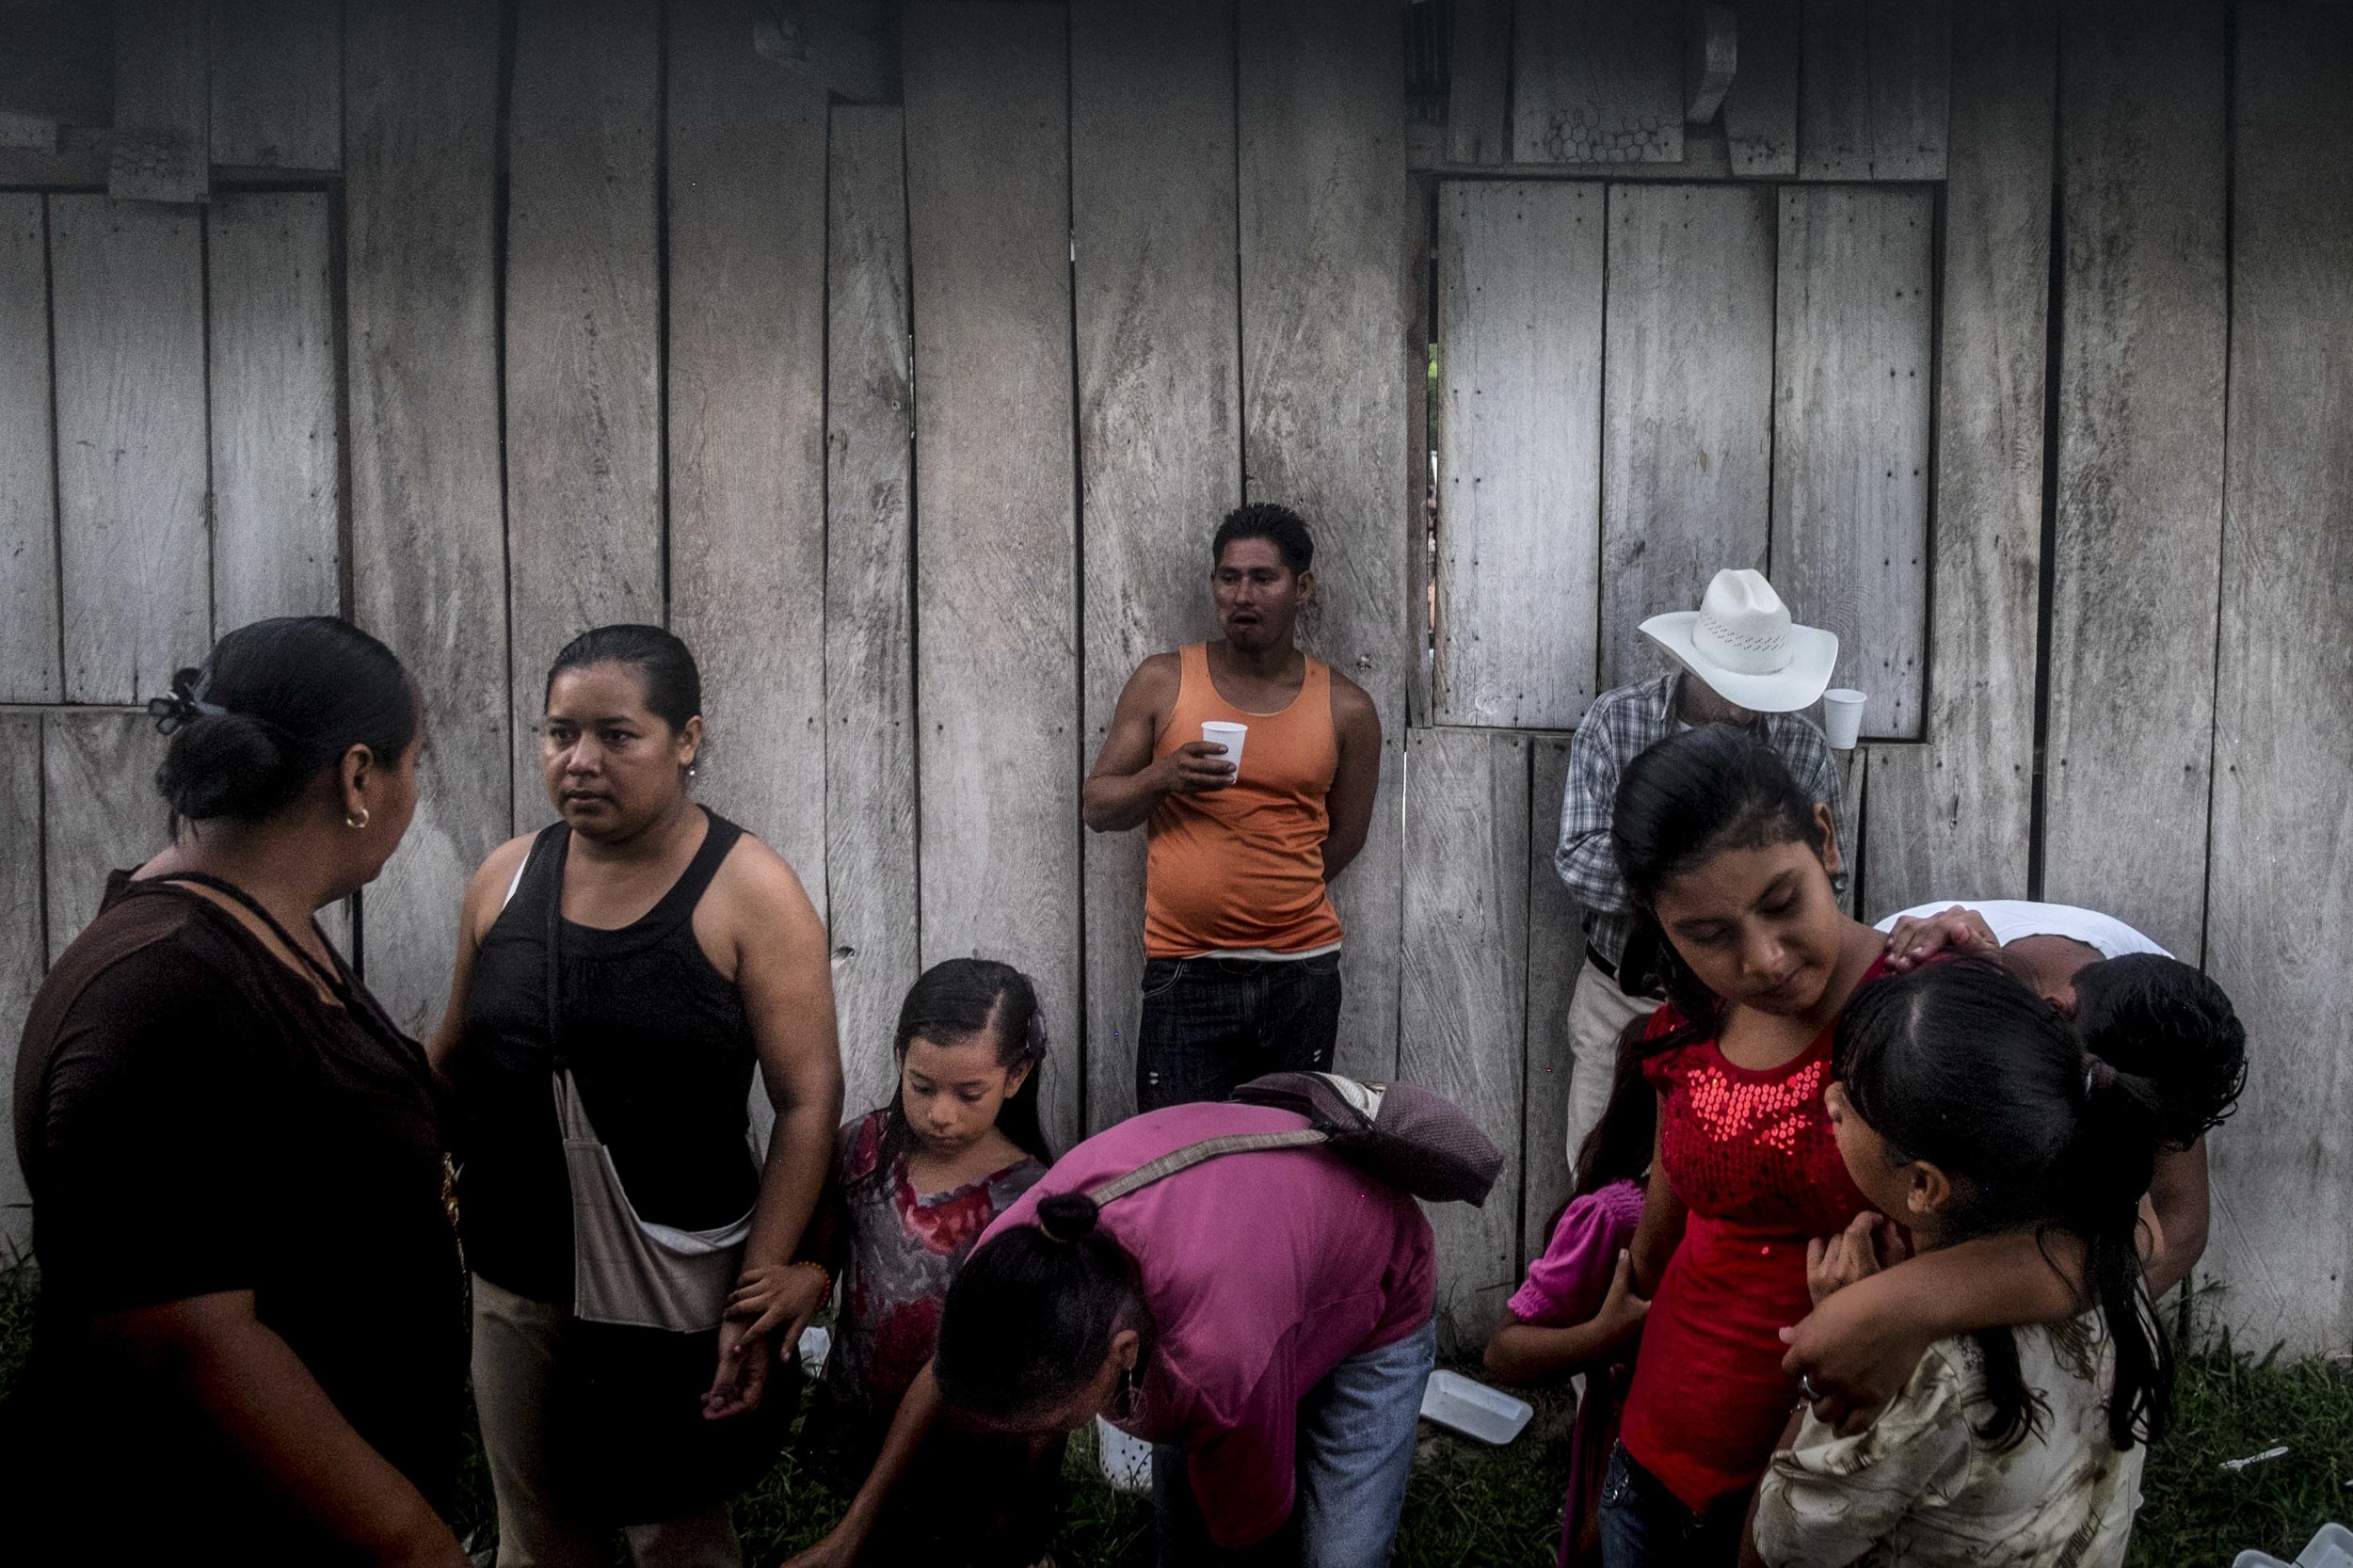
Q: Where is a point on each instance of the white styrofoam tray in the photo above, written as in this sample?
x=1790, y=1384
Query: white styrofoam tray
x=1460, y=1404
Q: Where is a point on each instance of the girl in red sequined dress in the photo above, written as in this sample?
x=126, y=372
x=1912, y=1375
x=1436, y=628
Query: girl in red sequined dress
x=1727, y=855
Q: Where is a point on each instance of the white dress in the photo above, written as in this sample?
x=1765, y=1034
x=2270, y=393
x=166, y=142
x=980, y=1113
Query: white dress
x=1919, y=1488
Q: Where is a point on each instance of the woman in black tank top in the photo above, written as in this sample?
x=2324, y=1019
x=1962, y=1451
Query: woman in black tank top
x=686, y=955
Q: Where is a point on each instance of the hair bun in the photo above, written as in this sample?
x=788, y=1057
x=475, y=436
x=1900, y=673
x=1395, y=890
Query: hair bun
x=228, y=764
x=1068, y=1216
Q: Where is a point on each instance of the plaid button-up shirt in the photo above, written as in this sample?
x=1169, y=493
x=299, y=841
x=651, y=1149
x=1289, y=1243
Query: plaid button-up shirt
x=1618, y=728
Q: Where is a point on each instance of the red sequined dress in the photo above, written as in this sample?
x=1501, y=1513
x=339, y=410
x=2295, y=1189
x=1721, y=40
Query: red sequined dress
x=1752, y=1156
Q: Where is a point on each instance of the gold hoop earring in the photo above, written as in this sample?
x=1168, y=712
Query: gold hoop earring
x=356, y=822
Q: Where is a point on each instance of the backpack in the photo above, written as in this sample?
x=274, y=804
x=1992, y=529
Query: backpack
x=1411, y=1138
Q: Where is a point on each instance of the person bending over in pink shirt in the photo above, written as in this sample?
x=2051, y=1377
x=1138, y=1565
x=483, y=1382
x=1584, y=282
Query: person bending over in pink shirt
x=1262, y=1318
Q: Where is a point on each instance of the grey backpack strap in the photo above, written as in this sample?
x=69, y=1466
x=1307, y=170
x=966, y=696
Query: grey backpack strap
x=1194, y=1154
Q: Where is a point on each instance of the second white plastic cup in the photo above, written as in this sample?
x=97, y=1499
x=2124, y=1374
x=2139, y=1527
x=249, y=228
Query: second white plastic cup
x=1842, y=717
x=1230, y=736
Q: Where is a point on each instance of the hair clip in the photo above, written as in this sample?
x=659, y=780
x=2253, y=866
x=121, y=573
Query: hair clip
x=185, y=704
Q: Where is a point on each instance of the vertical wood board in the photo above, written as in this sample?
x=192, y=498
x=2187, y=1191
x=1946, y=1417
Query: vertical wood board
x=1328, y=240
x=427, y=565
x=101, y=810
x=870, y=892
x=1556, y=951
x=277, y=84
x=1597, y=81
x=127, y=296
x=28, y=490
x=988, y=189
x=1874, y=103
x=1853, y=377
x=746, y=421
x=2282, y=831
x=276, y=434
x=1478, y=83
x=1160, y=448
x=1761, y=106
x=2140, y=432
x=1687, y=408
x=584, y=433
x=1463, y=1024
x=1951, y=818
x=22, y=954
x=1519, y=450
x=158, y=148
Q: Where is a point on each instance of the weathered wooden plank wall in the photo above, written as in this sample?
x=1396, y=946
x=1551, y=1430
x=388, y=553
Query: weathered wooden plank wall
x=1853, y=371
x=1223, y=279
x=1687, y=410
x=23, y=950
x=127, y=314
x=1466, y=990
x=277, y=89
x=1520, y=314
x=997, y=637
x=2280, y=901
x=1152, y=145
x=582, y=343
x=277, y=442
x=870, y=873
x=28, y=490
x=1329, y=241
x=428, y=569
x=744, y=421
x=1953, y=817
x=2136, y=553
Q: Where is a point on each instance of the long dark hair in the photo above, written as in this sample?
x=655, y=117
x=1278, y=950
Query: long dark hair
x=1618, y=1147
x=1682, y=800
x=1029, y=1318
x=2160, y=1019
x=952, y=1001
x=273, y=704
x=1959, y=1064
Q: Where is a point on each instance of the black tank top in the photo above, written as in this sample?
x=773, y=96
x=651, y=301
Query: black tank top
x=658, y=1043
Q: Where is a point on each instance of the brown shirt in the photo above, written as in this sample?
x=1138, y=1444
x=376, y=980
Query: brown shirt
x=193, y=1118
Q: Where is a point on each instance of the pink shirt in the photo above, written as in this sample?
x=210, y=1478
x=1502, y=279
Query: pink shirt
x=1568, y=1284
x=1263, y=1272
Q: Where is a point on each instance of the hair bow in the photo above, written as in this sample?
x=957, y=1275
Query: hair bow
x=185, y=704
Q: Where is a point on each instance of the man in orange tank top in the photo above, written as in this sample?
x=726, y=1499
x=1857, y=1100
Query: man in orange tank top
x=1241, y=973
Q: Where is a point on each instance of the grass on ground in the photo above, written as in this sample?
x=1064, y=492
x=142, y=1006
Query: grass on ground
x=1471, y=1505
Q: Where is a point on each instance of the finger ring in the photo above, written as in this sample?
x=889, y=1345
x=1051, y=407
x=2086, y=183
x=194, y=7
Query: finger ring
x=1805, y=1386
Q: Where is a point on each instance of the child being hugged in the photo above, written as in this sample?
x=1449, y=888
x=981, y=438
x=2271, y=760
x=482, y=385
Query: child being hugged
x=1721, y=849
x=1967, y=1107
x=1576, y=1311
x=916, y=1183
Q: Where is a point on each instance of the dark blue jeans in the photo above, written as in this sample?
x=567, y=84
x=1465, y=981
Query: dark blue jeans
x=1212, y=1024
x=1645, y=1526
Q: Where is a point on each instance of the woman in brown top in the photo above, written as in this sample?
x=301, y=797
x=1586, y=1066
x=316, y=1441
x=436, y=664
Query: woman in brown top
x=251, y=1329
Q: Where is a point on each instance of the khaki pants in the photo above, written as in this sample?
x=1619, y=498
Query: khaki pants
x=514, y=1357
x=1599, y=1014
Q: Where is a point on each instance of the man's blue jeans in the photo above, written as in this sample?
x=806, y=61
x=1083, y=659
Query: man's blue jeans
x=1212, y=1024
x=1356, y=1454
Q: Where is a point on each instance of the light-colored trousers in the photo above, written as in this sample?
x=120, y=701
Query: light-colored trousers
x=514, y=1361
x=1599, y=1014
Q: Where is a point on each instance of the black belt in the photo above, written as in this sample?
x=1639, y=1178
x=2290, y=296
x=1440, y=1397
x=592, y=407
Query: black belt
x=1641, y=950
x=1592, y=956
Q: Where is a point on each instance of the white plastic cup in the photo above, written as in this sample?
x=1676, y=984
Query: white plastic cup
x=1219, y=732
x=1842, y=717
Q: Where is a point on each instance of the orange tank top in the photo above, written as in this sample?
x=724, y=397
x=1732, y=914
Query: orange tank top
x=1241, y=869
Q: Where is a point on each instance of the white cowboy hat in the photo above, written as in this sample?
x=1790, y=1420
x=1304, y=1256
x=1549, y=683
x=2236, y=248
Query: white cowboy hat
x=1743, y=643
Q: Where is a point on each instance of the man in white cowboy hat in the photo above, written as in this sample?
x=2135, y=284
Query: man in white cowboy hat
x=1752, y=667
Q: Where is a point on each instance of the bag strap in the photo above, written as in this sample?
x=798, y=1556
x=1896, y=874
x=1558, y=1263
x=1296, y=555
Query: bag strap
x=1194, y=1154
